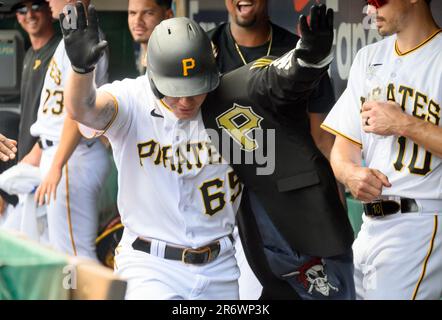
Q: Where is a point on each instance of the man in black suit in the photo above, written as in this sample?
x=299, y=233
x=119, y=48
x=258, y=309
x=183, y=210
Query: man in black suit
x=292, y=199
x=294, y=229
x=248, y=36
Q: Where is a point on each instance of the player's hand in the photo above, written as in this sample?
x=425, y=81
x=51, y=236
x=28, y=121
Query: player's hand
x=48, y=187
x=82, y=43
x=383, y=118
x=8, y=148
x=317, y=38
x=366, y=184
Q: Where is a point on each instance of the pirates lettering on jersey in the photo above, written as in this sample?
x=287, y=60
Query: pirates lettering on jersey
x=186, y=156
x=390, y=92
x=423, y=107
x=414, y=102
x=406, y=92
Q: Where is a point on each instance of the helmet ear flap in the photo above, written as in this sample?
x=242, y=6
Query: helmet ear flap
x=154, y=88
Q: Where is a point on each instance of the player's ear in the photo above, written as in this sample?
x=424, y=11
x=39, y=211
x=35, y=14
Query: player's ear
x=169, y=13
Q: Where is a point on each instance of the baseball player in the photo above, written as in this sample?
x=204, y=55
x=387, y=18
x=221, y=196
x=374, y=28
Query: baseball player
x=142, y=17
x=8, y=148
x=74, y=168
x=248, y=36
x=177, y=241
x=398, y=252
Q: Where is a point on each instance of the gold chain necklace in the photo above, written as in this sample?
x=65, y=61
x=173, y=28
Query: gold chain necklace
x=268, y=49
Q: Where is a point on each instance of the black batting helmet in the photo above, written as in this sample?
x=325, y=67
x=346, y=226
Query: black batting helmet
x=180, y=59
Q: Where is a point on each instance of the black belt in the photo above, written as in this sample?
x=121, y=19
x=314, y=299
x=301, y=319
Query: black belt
x=186, y=255
x=47, y=143
x=382, y=208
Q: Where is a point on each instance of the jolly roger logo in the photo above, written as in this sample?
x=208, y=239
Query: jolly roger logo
x=312, y=275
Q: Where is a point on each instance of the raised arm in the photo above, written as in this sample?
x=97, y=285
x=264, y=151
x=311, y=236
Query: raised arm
x=85, y=105
x=295, y=74
x=84, y=49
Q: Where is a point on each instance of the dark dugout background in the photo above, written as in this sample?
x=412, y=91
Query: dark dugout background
x=353, y=28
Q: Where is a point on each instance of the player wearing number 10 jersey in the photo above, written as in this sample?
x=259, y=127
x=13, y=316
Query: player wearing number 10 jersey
x=398, y=250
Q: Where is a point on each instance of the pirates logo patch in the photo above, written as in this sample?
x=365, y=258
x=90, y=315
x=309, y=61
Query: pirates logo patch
x=312, y=275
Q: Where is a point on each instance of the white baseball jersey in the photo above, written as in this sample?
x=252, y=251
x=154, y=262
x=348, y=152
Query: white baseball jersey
x=52, y=110
x=173, y=186
x=397, y=256
x=412, y=79
x=73, y=217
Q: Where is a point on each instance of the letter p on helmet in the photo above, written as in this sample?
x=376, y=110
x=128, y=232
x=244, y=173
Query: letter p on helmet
x=188, y=64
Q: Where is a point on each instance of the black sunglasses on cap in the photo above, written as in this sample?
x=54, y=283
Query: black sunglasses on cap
x=35, y=6
x=377, y=3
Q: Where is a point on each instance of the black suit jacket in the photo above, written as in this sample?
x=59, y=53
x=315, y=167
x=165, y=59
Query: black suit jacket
x=300, y=195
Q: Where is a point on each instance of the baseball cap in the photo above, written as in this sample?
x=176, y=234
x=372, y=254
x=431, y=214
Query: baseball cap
x=20, y=3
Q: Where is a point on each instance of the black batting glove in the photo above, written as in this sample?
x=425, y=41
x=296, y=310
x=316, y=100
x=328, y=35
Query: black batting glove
x=83, y=45
x=317, y=39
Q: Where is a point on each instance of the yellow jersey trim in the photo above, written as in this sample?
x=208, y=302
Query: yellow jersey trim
x=116, y=252
x=116, y=108
x=399, y=53
x=68, y=207
x=165, y=105
x=260, y=66
x=334, y=132
x=424, y=266
x=107, y=232
x=261, y=63
x=264, y=60
x=98, y=133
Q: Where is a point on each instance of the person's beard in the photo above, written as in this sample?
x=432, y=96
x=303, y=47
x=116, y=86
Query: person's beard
x=246, y=23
